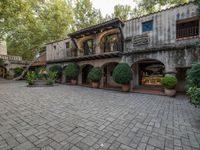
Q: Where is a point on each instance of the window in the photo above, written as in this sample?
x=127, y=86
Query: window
x=147, y=26
x=187, y=29
x=67, y=44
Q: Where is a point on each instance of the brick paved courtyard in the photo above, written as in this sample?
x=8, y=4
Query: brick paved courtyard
x=78, y=118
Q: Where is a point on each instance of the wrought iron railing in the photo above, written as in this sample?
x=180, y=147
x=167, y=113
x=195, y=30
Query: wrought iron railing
x=187, y=32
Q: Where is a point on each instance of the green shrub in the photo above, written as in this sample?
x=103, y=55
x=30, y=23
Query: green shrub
x=51, y=77
x=95, y=74
x=17, y=71
x=194, y=94
x=57, y=69
x=72, y=71
x=30, y=77
x=193, y=76
x=122, y=73
x=169, y=81
x=1, y=62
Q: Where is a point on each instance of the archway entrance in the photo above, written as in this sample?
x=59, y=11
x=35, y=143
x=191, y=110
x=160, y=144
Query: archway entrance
x=107, y=75
x=2, y=72
x=147, y=75
x=85, y=70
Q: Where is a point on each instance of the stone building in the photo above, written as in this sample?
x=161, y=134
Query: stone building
x=10, y=61
x=160, y=43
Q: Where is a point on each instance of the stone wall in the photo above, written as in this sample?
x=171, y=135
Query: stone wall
x=3, y=48
x=164, y=28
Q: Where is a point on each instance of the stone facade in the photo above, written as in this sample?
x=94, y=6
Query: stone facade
x=166, y=39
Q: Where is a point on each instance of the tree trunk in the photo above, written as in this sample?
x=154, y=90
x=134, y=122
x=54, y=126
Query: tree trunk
x=25, y=70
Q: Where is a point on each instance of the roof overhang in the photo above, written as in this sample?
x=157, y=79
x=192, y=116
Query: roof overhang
x=114, y=23
x=88, y=57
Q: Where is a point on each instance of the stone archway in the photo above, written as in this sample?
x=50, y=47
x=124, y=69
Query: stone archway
x=107, y=80
x=148, y=72
x=84, y=73
x=2, y=72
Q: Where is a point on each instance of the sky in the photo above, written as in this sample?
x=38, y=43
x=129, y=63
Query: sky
x=106, y=6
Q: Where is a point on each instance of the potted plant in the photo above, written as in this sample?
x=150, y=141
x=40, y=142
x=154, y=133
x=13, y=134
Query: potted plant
x=122, y=74
x=95, y=76
x=58, y=70
x=30, y=77
x=51, y=77
x=169, y=82
x=72, y=72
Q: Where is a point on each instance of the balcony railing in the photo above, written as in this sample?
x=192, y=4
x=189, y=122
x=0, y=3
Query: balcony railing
x=187, y=32
x=11, y=58
x=111, y=47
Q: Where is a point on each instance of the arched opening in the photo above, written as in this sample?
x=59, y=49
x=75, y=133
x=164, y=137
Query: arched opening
x=108, y=81
x=2, y=72
x=85, y=70
x=148, y=72
x=111, y=42
x=88, y=47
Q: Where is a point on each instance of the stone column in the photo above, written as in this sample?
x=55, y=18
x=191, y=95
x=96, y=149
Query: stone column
x=80, y=77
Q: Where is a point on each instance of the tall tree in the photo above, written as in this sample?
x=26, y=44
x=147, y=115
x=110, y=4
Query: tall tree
x=122, y=12
x=149, y=6
x=28, y=25
x=84, y=14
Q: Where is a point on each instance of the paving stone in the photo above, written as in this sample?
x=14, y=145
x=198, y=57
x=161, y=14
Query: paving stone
x=24, y=146
x=58, y=118
x=89, y=140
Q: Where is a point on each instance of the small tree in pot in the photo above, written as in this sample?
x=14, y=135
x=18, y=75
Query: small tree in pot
x=169, y=82
x=72, y=72
x=58, y=70
x=122, y=74
x=95, y=76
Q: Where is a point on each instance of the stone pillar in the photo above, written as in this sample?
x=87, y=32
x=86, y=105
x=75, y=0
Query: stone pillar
x=63, y=78
x=102, y=80
x=80, y=78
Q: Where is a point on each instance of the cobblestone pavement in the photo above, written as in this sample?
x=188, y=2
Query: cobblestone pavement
x=79, y=118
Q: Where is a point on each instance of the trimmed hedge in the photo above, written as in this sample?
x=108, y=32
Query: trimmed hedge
x=122, y=73
x=57, y=69
x=193, y=76
x=72, y=71
x=169, y=81
x=95, y=74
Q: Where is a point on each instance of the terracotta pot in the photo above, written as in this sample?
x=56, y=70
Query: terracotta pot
x=170, y=92
x=73, y=82
x=125, y=87
x=95, y=84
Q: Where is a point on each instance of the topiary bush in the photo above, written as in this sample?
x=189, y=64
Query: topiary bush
x=122, y=73
x=193, y=76
x=169, y=81
x=57, y=69
x=72, y=71
x=193, y=84
x=95, y=74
